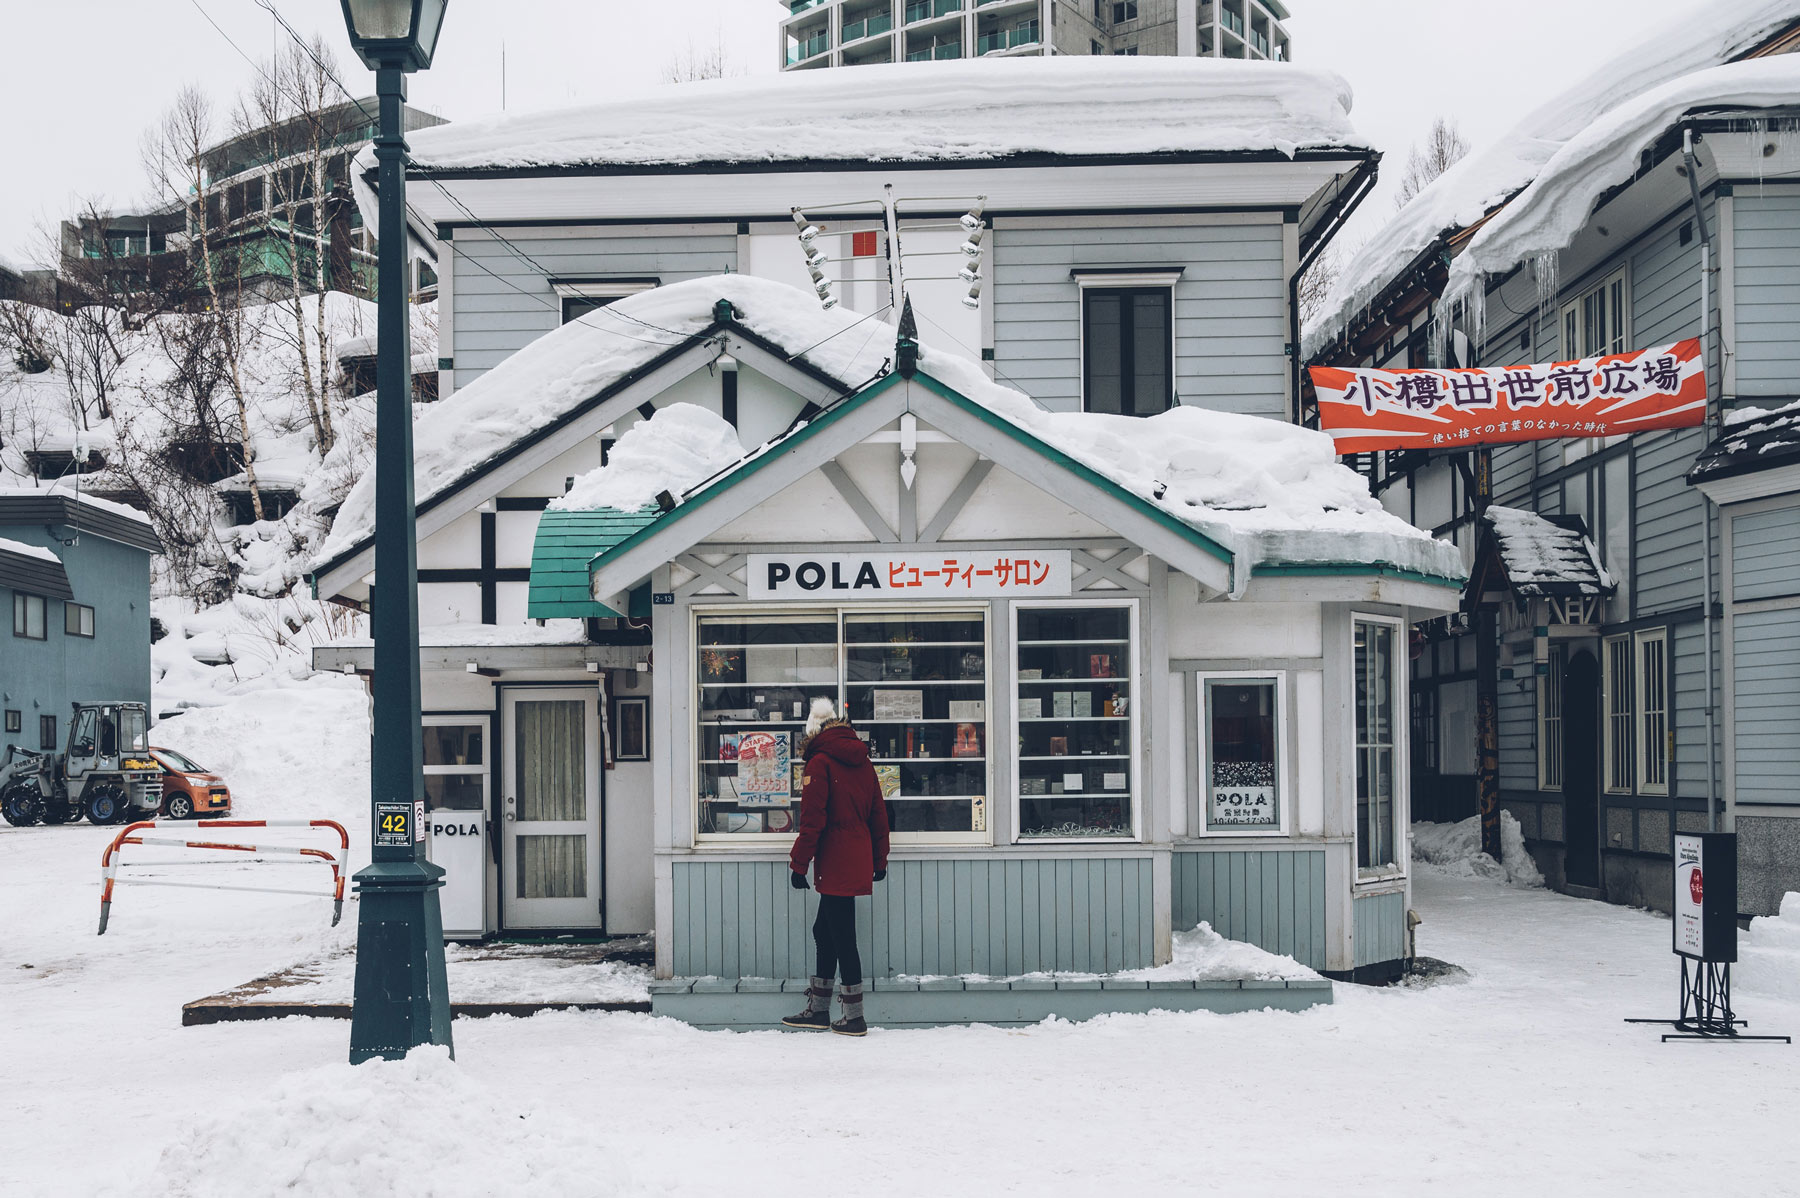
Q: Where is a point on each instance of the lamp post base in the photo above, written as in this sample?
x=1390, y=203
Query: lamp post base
x=402, y=996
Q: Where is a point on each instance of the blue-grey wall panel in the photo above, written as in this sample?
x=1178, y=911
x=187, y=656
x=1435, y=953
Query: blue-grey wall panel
x=1766, y=678
x=1380, y=928
x=1000, y=917
x=1273, y=898
x=1765, y=555
x=1766, y=231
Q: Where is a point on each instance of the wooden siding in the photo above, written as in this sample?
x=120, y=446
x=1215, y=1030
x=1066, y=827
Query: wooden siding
x=1518, y=733
x=503, y=303
x=1765, y=555
x=1379, y=928
x=1766, y=679
x=1688, y=647
x=1669, y=519
x=1231, y=329
x=1274, y=899
x=1766, y=249
x=1001, y=917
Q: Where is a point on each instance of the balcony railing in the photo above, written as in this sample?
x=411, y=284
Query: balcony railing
x=807, y=48
x=868, y=27
x=796, y=7
x=921, y=10
x=1005, y=39
x=1233, y=21
x=1261, y=42
x=948, y=50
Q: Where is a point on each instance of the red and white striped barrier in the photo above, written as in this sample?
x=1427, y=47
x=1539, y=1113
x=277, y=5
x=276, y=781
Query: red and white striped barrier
x=110, y=863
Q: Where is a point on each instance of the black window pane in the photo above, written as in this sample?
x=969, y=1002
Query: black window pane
x=1105, y=353
x=1150, y=352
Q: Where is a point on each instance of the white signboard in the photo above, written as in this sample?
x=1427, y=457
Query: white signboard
x=1243, y=805
x=458, y=843
x=925, y=574
x=1690, y=890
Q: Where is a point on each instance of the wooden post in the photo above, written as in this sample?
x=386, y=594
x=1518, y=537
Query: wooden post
x=1487, y=682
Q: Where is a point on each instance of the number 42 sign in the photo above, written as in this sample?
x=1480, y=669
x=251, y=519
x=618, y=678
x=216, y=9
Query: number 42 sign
x=398, y=825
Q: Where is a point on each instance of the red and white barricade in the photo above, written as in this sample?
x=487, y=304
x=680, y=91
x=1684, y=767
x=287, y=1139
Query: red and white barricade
x=265, y=853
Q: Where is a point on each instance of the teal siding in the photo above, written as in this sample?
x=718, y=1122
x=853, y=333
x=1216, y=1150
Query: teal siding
x=566, y=542
x=1274, y=899
x=1000, y=917
x=1380, y=928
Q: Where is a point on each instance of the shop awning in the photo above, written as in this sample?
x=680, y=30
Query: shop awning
x=566, y=543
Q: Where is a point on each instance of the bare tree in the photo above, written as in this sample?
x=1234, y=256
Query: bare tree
x=175, y=154
x=710, y=61
x=1444, y=147
x=1316, y=284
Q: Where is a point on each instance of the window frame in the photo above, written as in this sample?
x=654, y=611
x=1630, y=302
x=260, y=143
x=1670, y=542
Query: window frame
x=1284, y=755
x=71, y=608
x=765, y=841
x=1140, y=776
x=1551, y=682
x=620, y=751
x=47, y=734
x=1615, y=718
x=22, y=607
x=1127, y=281
x=606, y=290
x=15, y=721
x=1652, y=745
x=484, y=770
x=1399, y=746
x=1571, y=340
x=1123, y=11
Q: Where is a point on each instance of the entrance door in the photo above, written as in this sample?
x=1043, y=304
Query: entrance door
x=550, y=804
x=1581, y=770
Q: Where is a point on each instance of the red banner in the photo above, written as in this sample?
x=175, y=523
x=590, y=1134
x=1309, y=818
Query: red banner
x=1636, y=392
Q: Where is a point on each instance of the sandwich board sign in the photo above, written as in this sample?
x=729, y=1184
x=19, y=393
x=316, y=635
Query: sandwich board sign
x=1706, y=896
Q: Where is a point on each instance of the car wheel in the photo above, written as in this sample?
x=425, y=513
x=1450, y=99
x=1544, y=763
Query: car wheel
x=106, y=805
x=180, y=806
x=21, y=806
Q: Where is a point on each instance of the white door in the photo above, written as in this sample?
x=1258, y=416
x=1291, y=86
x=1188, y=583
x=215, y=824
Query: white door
x=550, y=809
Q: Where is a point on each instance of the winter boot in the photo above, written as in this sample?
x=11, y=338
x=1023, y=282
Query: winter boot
x=817, y=1016
x=852, y=1023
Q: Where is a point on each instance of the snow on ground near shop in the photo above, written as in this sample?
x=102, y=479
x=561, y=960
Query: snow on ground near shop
x=1706, y=36
x=1769, y=953
x=487, y=974
x=953, y=111
x=1520, y=1078
x=1264, y=489
x=1456, y=849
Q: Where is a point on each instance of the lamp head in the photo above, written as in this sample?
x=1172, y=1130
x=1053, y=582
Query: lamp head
x=394, y=34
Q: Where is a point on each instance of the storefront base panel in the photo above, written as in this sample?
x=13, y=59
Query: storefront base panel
x=1274, y=899
x=758, y=1004
x=1002, y=915
x=1379, y=928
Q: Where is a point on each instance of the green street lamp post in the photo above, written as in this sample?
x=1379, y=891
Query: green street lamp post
x=402, y=995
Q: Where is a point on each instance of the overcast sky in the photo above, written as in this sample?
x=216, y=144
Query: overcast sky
x=84, y=77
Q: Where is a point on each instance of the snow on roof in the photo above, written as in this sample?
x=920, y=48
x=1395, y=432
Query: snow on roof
x=1547, y=215
x=1754, y=439
x=912, y=112
x=1543, y=557
x=69, y=488
x=1706, y=36
x=25, y=550
x=679, y=447
x=1267, y=490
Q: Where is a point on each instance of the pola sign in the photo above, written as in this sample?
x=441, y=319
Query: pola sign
x=927, y=574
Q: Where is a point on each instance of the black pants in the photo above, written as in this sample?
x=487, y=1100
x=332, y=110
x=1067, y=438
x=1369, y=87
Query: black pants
x=834, y=931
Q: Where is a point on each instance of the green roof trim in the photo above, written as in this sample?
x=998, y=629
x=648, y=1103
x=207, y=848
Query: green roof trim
x=566, y=542
x=1341, y=569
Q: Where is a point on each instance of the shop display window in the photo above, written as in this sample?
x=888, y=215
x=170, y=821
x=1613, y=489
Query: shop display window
x=456, y=765
x=913, y=684
x=1076, y=704
x=1242, y=730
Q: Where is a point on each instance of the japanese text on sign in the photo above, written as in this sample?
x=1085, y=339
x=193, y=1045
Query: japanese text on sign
x=1643, y=391
x=922, y=575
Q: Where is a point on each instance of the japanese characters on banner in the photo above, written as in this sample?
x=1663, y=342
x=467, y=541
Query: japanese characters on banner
x=927, y=574
x=1642, y=391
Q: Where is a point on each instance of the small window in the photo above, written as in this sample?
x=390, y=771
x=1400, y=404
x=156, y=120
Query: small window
x=1125, y=10
x=1127, y=52
x=15, y=721
x=582, y=297
x=1652, y=730
x=1095, y=48
x=1128, y=349
x=1377, y=687
x=1595, y=323
x=47, y=733
x=1617, y=702
x=78, y=620
x=456, y=765
x=1550, y=721
x=1241, y=738
x=28, y=616
x=631, y=730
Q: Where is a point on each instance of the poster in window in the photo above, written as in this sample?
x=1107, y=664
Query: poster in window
x=764, y=777
x=889, y=778
x=1242, y=738
x=728, y=746
x=895, y=705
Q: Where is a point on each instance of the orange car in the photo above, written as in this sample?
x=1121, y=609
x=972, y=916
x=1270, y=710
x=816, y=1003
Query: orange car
x=189, y=790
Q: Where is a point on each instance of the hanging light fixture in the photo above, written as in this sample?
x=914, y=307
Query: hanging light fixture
x=972, y=300
x=807, y=230
x=971, y=220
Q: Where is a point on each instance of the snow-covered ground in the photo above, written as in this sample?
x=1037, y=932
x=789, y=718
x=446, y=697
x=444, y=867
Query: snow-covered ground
x=1520, y=1079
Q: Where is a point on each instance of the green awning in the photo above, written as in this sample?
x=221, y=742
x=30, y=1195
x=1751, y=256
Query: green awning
x=566, y=543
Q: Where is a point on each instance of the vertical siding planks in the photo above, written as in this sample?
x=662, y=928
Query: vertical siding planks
x=1767, y=263
x=1380, y=924
x=1273, y=898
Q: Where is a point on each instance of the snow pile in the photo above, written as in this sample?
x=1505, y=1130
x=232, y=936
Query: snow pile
x=952, y=111
x=1265, y=489
x=678, y=448
x=1706, y=36
x=1537, y=552
x=24, y=550
x=1456, y=849
x=208, y=655
x=1202, y=955
x=1769, y=953
x=420, y=1126
x=1549, y=213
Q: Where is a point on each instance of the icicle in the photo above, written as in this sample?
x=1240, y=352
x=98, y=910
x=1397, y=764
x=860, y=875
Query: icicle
x=1543, y=268
x=1438, y=348
x=1475, y=318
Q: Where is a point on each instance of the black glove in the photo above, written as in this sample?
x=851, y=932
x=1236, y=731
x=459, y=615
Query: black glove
x=881, y=875
x=796, y=879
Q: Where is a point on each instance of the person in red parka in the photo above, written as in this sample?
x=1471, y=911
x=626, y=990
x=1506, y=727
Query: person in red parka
x=844, y=836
